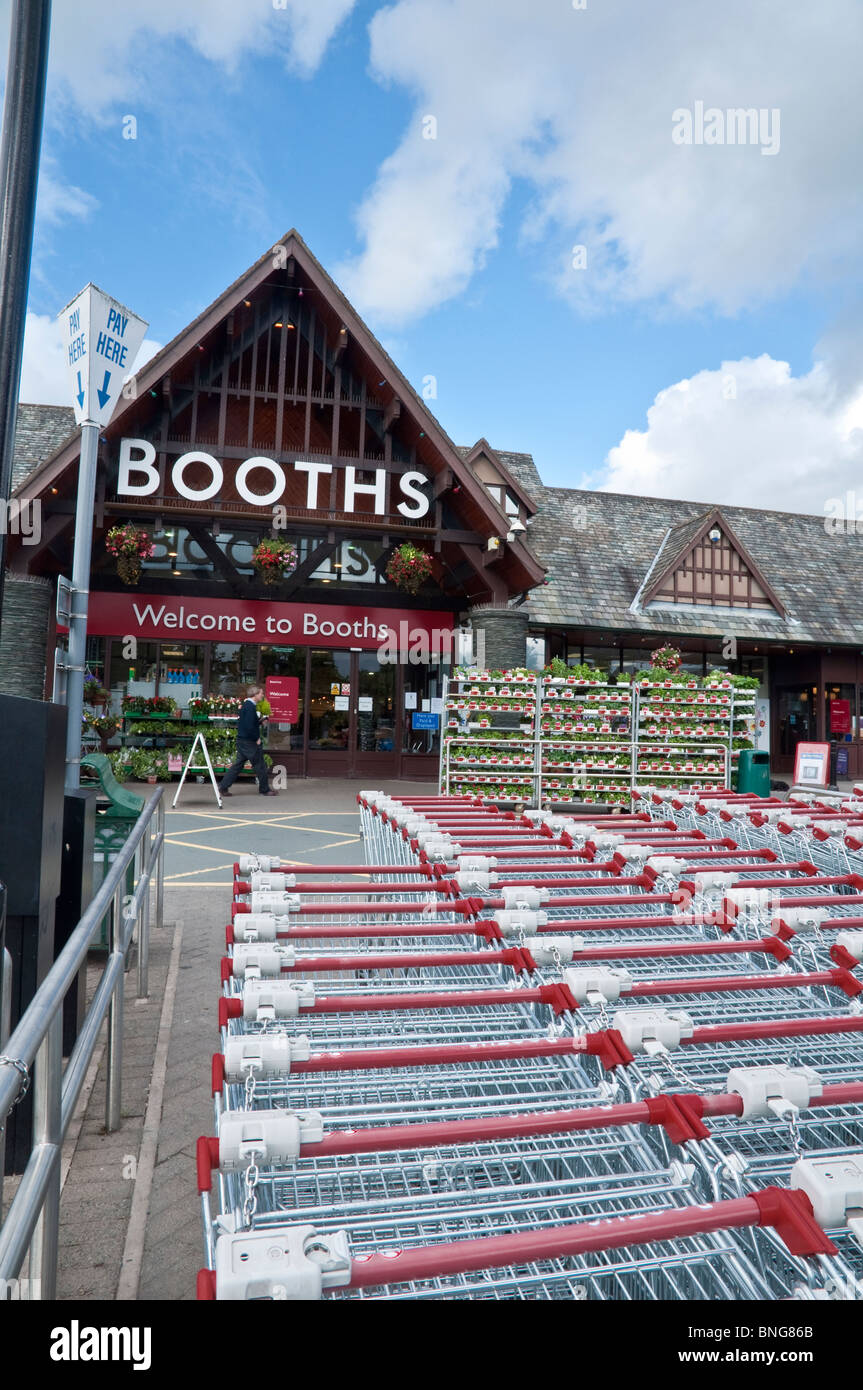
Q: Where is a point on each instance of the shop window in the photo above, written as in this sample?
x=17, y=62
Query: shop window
x=375, y=704
x=692, y=662
x=535, y=653
x=136, y=675
x=233, y=666
x=95, y=658
x=422, y=685
x=600, y=658
x=285, y=661
x=181, y=667
x=350, y=563
x=635, y=658
x=841, y=712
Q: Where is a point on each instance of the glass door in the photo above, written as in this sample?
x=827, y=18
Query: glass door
x=795, y=722
x=330, y=741
x=375, y=730
x=285, y=742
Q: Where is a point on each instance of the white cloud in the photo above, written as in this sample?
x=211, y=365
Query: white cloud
x=43, y=369
x=58, y=201
x=313, y=24
x=577, y=105
x=102, y=53
x=749, y=434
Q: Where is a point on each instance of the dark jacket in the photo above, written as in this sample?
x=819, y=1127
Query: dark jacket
x=248, y=724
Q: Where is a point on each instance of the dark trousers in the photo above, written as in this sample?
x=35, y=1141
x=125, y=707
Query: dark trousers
x=247, y=752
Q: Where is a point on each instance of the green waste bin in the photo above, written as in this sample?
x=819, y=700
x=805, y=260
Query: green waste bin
x=111, y=836
x=753, y=772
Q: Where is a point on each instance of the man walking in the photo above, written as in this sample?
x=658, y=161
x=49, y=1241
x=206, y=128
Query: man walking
x=249, y=748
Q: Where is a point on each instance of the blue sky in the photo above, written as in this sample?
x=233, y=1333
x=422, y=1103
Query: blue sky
x=709, y=349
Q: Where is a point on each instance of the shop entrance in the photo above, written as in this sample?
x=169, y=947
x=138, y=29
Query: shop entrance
x=352, y=724
x=795, y=723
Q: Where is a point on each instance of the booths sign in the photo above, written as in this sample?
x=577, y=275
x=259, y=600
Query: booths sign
x=283, y=624
x=138, y=476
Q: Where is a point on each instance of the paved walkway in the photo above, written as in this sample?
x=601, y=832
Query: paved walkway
x=130, y=1211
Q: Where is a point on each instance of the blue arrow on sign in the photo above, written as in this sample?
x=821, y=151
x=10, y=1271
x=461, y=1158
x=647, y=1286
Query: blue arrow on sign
x=80, y=396
x=103, y=393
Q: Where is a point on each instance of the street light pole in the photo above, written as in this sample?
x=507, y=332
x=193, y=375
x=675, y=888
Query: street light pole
x=19, y=173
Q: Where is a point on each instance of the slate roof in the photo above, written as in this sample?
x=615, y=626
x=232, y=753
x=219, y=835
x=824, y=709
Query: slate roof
x=39, y=432
x=596, y=572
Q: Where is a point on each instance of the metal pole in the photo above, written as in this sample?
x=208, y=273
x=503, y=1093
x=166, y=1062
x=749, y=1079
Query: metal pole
x=19, y=173
x=113, y=1090
x=79, y=601
x=47, y=1132
x=144, y=919
x=160, y=862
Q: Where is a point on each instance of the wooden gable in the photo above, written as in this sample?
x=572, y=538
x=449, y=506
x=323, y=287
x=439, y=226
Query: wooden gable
x=703, y=564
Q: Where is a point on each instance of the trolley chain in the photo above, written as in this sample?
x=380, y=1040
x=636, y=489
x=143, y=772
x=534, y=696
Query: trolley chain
x=250, y=1204
x=24, y=1082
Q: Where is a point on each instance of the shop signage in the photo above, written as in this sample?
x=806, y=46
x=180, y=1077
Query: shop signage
x=423, y=719
x=284, y=624
x=101, y=339
x=762, y=725
x=283, y=693
x=812, y=763
x=138, y=476
x=840, y=716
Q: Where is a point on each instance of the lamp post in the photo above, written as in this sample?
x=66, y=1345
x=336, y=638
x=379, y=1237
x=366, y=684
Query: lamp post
x=19, y=173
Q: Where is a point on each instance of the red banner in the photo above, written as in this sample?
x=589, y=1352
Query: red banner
x=283, y=693
x=840, y=716
x=282, y=624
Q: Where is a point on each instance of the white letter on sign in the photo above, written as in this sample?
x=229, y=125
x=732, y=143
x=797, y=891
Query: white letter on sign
x=257, y=499
x=377, y=489
x=314, y=471
x=144, y=464
x=193, y=494
x=409, y=484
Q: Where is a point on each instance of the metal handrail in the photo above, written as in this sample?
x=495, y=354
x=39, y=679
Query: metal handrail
x=32, y=1222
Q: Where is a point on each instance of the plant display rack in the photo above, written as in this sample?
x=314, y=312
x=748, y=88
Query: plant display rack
x=583, y=738
x=490, y=739
x=586, y=749
x=149, y=737
x=692, y=732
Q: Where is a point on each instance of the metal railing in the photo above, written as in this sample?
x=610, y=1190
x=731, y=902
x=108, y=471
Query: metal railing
x=35, y=1048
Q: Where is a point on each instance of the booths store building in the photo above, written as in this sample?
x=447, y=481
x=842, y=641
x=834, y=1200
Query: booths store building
x=277, y=412
x=278, y=406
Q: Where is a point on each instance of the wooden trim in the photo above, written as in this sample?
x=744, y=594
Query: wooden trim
x=714, y=517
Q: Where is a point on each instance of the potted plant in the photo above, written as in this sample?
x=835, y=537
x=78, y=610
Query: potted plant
x=409, y=567
x=130, y=546
x=273, y=558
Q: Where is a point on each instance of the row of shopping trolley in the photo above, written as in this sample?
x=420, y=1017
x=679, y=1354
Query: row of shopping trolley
x=522, y=1056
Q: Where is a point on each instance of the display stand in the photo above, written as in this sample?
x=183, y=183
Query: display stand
x=208, y=767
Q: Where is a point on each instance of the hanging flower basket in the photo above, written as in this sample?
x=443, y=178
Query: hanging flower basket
x=274, y=558
x=665, y=659
x=409, y=567
x=131, y=547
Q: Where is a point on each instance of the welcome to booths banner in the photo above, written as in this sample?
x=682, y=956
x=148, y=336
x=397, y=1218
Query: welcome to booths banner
x=286, y=624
